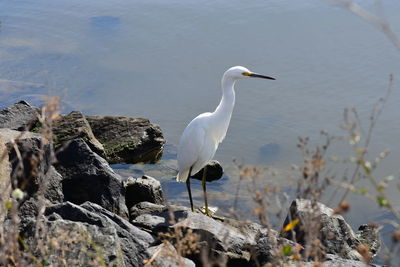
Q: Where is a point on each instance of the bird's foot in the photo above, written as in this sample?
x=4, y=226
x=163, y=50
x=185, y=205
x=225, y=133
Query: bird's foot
x=206, y=212
x=210, y=213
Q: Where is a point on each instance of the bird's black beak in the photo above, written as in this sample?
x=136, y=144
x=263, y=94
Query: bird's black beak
x=255, y=75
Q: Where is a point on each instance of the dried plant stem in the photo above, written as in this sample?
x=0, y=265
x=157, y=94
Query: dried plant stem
x=378, y=22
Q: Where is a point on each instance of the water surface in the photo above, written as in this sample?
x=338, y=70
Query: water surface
x=164, y=60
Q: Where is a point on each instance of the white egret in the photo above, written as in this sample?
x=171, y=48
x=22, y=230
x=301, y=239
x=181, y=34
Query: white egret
x=204, y=133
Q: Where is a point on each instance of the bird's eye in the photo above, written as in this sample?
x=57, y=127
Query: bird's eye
x=246, y=73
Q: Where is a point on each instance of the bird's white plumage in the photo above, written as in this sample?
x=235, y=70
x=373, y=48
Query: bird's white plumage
x=203, y=134
x=201, y=137
x=196, y=146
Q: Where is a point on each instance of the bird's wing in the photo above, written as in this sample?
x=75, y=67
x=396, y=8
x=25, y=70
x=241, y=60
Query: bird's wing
x=207, y=152
x=189, y=148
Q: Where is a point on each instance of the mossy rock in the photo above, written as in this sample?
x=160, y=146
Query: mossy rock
x=128, y=140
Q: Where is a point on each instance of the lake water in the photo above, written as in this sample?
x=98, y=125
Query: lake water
x=164, y=59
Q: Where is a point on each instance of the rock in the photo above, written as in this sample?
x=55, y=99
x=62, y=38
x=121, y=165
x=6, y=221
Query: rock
x=31, y=171
x=268, y=249
x=132, y=241
x=9, y=135
x=251, y=230
x=215, y=239
x=151, y=222
x=21, y=116
x=88, y=177
x=52, y=194
x=145, y=208
x=232, y=243
x=214, y=172
x=166, y=256
x=143, y=189
x=336, y=261
x=30, y=161
x=129, y=140
x=53, y=186
x=73, y=126
x=80, y=244
x=331, y=229
x=368, y=235
x=267, y=245
x=142, y=237
x=31, y=156
x=28, y=212
x=5, y=182
x=263, y=251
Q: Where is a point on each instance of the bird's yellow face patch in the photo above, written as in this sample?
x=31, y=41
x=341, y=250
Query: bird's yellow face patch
x=246, y=73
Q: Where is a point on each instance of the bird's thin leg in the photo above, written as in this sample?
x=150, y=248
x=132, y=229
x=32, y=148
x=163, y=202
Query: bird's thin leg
x=188, y=189
x=203, y=182
x=206, y=210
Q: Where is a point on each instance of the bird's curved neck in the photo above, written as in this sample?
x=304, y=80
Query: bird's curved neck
x=227, y=102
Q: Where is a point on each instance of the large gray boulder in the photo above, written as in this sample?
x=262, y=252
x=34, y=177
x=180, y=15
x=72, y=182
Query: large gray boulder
x=117, y=241
x=129, y=140
x=88, y=177
x=72, y=126
x=227, y=243
x=21, y=116
x=331, y=229
x=142, y=189
x=216, y=240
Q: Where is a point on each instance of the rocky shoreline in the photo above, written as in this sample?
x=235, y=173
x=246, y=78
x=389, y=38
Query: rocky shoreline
x=66, y=190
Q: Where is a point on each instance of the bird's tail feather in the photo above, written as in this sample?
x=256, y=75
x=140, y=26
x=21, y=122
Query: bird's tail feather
x=182, y=176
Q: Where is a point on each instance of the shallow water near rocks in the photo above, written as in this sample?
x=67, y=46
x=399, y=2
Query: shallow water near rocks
x=164, y=59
